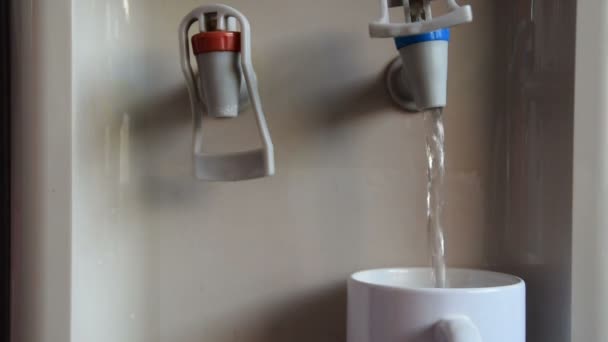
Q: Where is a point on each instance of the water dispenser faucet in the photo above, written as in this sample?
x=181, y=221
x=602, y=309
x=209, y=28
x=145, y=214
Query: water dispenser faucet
x=418, y=18
x=417, y=79
x=224, y=84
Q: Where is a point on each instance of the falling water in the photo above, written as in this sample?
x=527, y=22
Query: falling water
x=435, y=152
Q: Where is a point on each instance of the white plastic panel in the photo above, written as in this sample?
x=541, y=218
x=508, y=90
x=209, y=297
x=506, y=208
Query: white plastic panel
x=159, y=256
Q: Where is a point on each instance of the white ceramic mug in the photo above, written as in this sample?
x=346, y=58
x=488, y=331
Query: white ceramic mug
x=401, y=305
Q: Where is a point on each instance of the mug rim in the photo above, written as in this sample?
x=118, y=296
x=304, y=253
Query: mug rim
x=510, y=282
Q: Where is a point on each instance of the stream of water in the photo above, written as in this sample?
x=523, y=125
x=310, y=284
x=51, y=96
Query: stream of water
x=435, y=153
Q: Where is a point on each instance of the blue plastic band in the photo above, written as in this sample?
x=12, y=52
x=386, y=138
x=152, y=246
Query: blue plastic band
x=442, y=34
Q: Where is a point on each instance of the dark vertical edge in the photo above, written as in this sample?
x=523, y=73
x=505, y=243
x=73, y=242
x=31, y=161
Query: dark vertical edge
x=5, y=173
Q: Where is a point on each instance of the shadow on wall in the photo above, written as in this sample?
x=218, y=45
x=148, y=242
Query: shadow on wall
x=317, y=315
x=310, y=102
x=321, y=85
